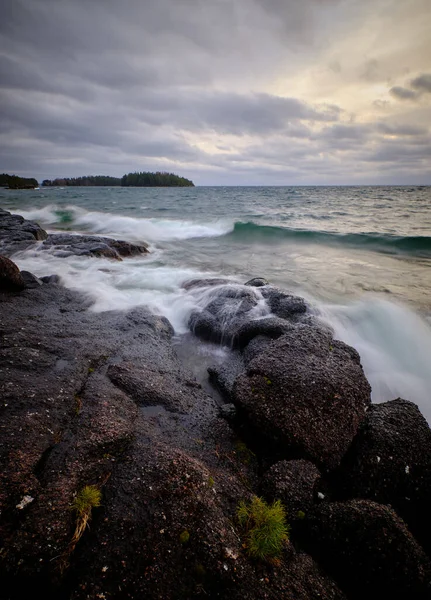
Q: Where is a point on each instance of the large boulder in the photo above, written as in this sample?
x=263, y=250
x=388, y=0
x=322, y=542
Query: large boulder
x=390, y=462
x=368, y=550
x=304, y=396
x=11, y=279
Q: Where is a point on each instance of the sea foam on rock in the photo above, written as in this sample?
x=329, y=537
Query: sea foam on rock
x=102, y=400
x=17, y=234
x=299, y=392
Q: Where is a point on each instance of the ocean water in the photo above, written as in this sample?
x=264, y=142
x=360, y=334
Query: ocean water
x=360, y=255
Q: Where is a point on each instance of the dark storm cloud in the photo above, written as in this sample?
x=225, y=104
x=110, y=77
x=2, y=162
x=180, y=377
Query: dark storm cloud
x=422, y=83
x=401, y=130
x=108, y=86
x=402, y=93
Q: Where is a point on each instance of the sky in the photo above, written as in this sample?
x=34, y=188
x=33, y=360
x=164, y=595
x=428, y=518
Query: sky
x=225, y=92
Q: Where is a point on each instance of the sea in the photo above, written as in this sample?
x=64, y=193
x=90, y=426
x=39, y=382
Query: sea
x=361, y=256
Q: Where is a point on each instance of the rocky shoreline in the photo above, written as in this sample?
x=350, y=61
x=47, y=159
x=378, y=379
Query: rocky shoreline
x=103, y=400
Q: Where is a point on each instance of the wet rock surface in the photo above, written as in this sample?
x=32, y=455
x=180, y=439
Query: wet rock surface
x=104, y=400
x=18, y=234
x=88, y=245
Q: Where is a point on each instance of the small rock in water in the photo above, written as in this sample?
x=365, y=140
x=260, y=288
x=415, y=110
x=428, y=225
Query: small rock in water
x=257, y=282
x=30, y=280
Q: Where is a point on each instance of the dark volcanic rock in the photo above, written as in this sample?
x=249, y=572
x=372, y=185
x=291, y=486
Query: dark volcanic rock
x=76, y=390
x=51, y=279
x=223, y=377
x=18, y=234
x=255, y=347
x=390, y=462
x=304, y=396
x=30, y=280
x=295, y=483
x=228, y=308
x=205, y=326
x=270, y=327
x=11, y=279
x=65, y=244
x=257, y=282
x=369, y=551
x=283, y=304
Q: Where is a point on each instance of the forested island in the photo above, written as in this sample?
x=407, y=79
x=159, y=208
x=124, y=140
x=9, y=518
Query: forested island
x=13, y=182
x=143, y=179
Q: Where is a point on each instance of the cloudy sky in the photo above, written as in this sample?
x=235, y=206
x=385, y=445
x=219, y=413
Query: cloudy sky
x=240, y=92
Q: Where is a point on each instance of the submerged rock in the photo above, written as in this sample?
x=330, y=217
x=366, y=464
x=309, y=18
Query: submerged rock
x=192, y=284
x=228, y=308
x=257, y=282
x=304, y=396
x=91, y=245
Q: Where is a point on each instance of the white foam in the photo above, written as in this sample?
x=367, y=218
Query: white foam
x=122, y=285
x=395, y=348
x=133, y=229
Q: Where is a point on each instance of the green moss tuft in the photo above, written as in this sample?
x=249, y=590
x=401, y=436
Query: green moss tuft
x=211, y=482
x=245, y=455
x=89, y=497
x=265, y=528
x=184, y=537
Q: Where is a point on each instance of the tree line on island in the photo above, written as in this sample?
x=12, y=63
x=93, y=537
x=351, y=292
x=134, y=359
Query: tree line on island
x=13, y=182
x=143, y=179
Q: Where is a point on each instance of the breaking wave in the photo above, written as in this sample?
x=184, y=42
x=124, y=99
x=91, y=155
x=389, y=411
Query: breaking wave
x=385, y=243
x=133, y=229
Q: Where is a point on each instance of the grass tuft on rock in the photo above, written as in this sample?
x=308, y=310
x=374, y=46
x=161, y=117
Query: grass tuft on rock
x=86, y=499
x=265, y=528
